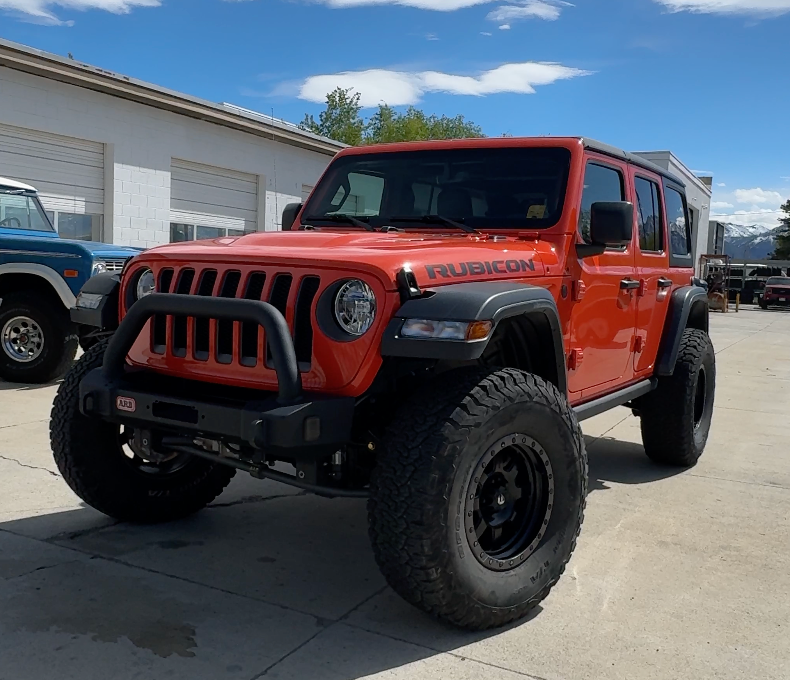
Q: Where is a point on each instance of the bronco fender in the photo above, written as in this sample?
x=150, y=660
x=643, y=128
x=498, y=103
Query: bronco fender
x=688, y=308
x=52, y=277
x=484, y=301
x=105, y=315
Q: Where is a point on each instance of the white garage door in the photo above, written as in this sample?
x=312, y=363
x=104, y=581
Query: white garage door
x=68, y=173
x=209, y=202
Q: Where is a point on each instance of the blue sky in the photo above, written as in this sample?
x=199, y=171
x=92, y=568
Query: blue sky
x=708, y=79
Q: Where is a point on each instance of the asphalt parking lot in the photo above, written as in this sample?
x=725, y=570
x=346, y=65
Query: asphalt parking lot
x=676, y=575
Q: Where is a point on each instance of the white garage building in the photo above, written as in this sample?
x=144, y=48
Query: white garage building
x=126, y=162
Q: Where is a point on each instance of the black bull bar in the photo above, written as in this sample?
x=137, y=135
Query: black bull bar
x=287, y=421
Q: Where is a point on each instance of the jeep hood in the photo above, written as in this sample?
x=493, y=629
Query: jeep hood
x=435, y=258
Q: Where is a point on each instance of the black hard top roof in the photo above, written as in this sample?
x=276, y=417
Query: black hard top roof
x=614, y=152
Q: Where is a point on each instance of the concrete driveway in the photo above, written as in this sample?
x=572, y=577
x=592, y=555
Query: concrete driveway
x=677, y=574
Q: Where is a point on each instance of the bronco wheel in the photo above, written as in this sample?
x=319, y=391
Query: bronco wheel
x=37, y=340
x=478, y=496
x=102, y=465
x=676, y=417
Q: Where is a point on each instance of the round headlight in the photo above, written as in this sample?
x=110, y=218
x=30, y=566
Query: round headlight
x=355, y=307
x=99, y=267
x=146, y=284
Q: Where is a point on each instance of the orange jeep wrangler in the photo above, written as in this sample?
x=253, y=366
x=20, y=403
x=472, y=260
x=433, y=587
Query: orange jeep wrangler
x=426, y=332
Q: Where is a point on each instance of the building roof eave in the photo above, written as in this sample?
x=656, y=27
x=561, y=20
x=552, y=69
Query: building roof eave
x=44, y=64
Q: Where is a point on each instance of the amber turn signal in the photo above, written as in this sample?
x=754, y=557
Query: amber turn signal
x=478, y=330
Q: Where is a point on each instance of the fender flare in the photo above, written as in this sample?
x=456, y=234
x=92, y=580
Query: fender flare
x=484, y=301
x=681, y=303
x=48, y=274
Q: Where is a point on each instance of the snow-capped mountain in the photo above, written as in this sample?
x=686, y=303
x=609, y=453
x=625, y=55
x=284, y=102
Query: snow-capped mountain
x=754, y=241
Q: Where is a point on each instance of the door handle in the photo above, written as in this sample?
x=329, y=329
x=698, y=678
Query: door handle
x=664, y=283
x=629, y=284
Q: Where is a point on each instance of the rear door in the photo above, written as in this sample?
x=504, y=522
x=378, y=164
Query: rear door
x=603, y=315
x=652, y=267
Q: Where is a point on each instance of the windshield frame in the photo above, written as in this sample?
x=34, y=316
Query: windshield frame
x=34, y=199
x=345, y=165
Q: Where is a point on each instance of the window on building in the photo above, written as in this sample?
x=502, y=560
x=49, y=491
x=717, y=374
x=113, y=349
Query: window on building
x=307, y=189
x=648, y=211
x=80, y=227
x=679, y=232
x=601, y=183
x=195, y=232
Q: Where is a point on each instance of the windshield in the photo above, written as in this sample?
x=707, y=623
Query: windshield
x=19, y=210
x=484, y=188
x=778, y=281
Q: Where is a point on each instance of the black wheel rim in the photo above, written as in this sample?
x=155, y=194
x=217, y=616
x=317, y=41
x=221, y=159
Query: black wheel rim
x=508, y=502
x=700, y=397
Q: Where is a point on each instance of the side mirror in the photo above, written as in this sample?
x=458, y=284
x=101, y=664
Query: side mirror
x=289, y=215
x=611, y=226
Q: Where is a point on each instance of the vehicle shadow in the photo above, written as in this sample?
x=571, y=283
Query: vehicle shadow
x=622, y=462
x=298, y=570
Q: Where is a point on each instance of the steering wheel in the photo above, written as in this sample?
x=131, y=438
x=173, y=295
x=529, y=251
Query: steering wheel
x=8, y=222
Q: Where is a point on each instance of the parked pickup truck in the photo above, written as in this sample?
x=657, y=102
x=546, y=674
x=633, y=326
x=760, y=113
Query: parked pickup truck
x=437, y=319
x=40, y=277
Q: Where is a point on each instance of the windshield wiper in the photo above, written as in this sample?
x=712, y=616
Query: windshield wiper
x=436, y=219
x=338, y=217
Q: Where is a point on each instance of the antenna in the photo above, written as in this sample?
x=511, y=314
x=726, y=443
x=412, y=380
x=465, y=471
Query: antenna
x=274, y=163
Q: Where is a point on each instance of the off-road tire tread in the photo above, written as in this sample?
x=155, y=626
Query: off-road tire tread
x=64, y=328
x=406, y=548
x=103, y=492
x=665, y=435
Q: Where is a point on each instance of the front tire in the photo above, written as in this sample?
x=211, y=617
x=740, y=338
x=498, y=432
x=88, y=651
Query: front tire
x=98, y=465
x=676, y=417
x=38, y=342
x=478, y=496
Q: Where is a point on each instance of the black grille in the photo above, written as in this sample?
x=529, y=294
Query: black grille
x=303, y=325
x=208, y=279
x=179, y=344
x=232, y=284
x=159, y=331
x=250, y=332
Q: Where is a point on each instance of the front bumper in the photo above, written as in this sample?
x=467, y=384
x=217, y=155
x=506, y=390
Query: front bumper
x=288, y=420
x=776, y=300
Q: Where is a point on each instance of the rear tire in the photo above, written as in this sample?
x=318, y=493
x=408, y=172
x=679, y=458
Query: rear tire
x=478, y=496
x=89, y=454
x=676, y=417
x=38, y=342
x=763, y=304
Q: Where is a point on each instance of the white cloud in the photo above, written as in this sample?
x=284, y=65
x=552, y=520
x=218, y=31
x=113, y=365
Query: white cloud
x=41, y=11
x=437, y=5
x=527, y=9
x=759, y=7
x=758, y=195
x=720, y=205
x=504, y=27
x=399, y=88
x=721, y=184
x=488, y=33
x=745, y=218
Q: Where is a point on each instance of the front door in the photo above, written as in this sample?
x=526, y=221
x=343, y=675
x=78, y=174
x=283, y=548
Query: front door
x=604, y=293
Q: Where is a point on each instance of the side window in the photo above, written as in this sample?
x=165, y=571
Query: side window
x=679, y=236
x=601, y=183
x=648, y=215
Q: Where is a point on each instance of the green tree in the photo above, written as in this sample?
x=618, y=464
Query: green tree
x=782, y=251
x=341, y=120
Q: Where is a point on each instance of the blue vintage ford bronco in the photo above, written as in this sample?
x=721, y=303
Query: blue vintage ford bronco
x=40, y=277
